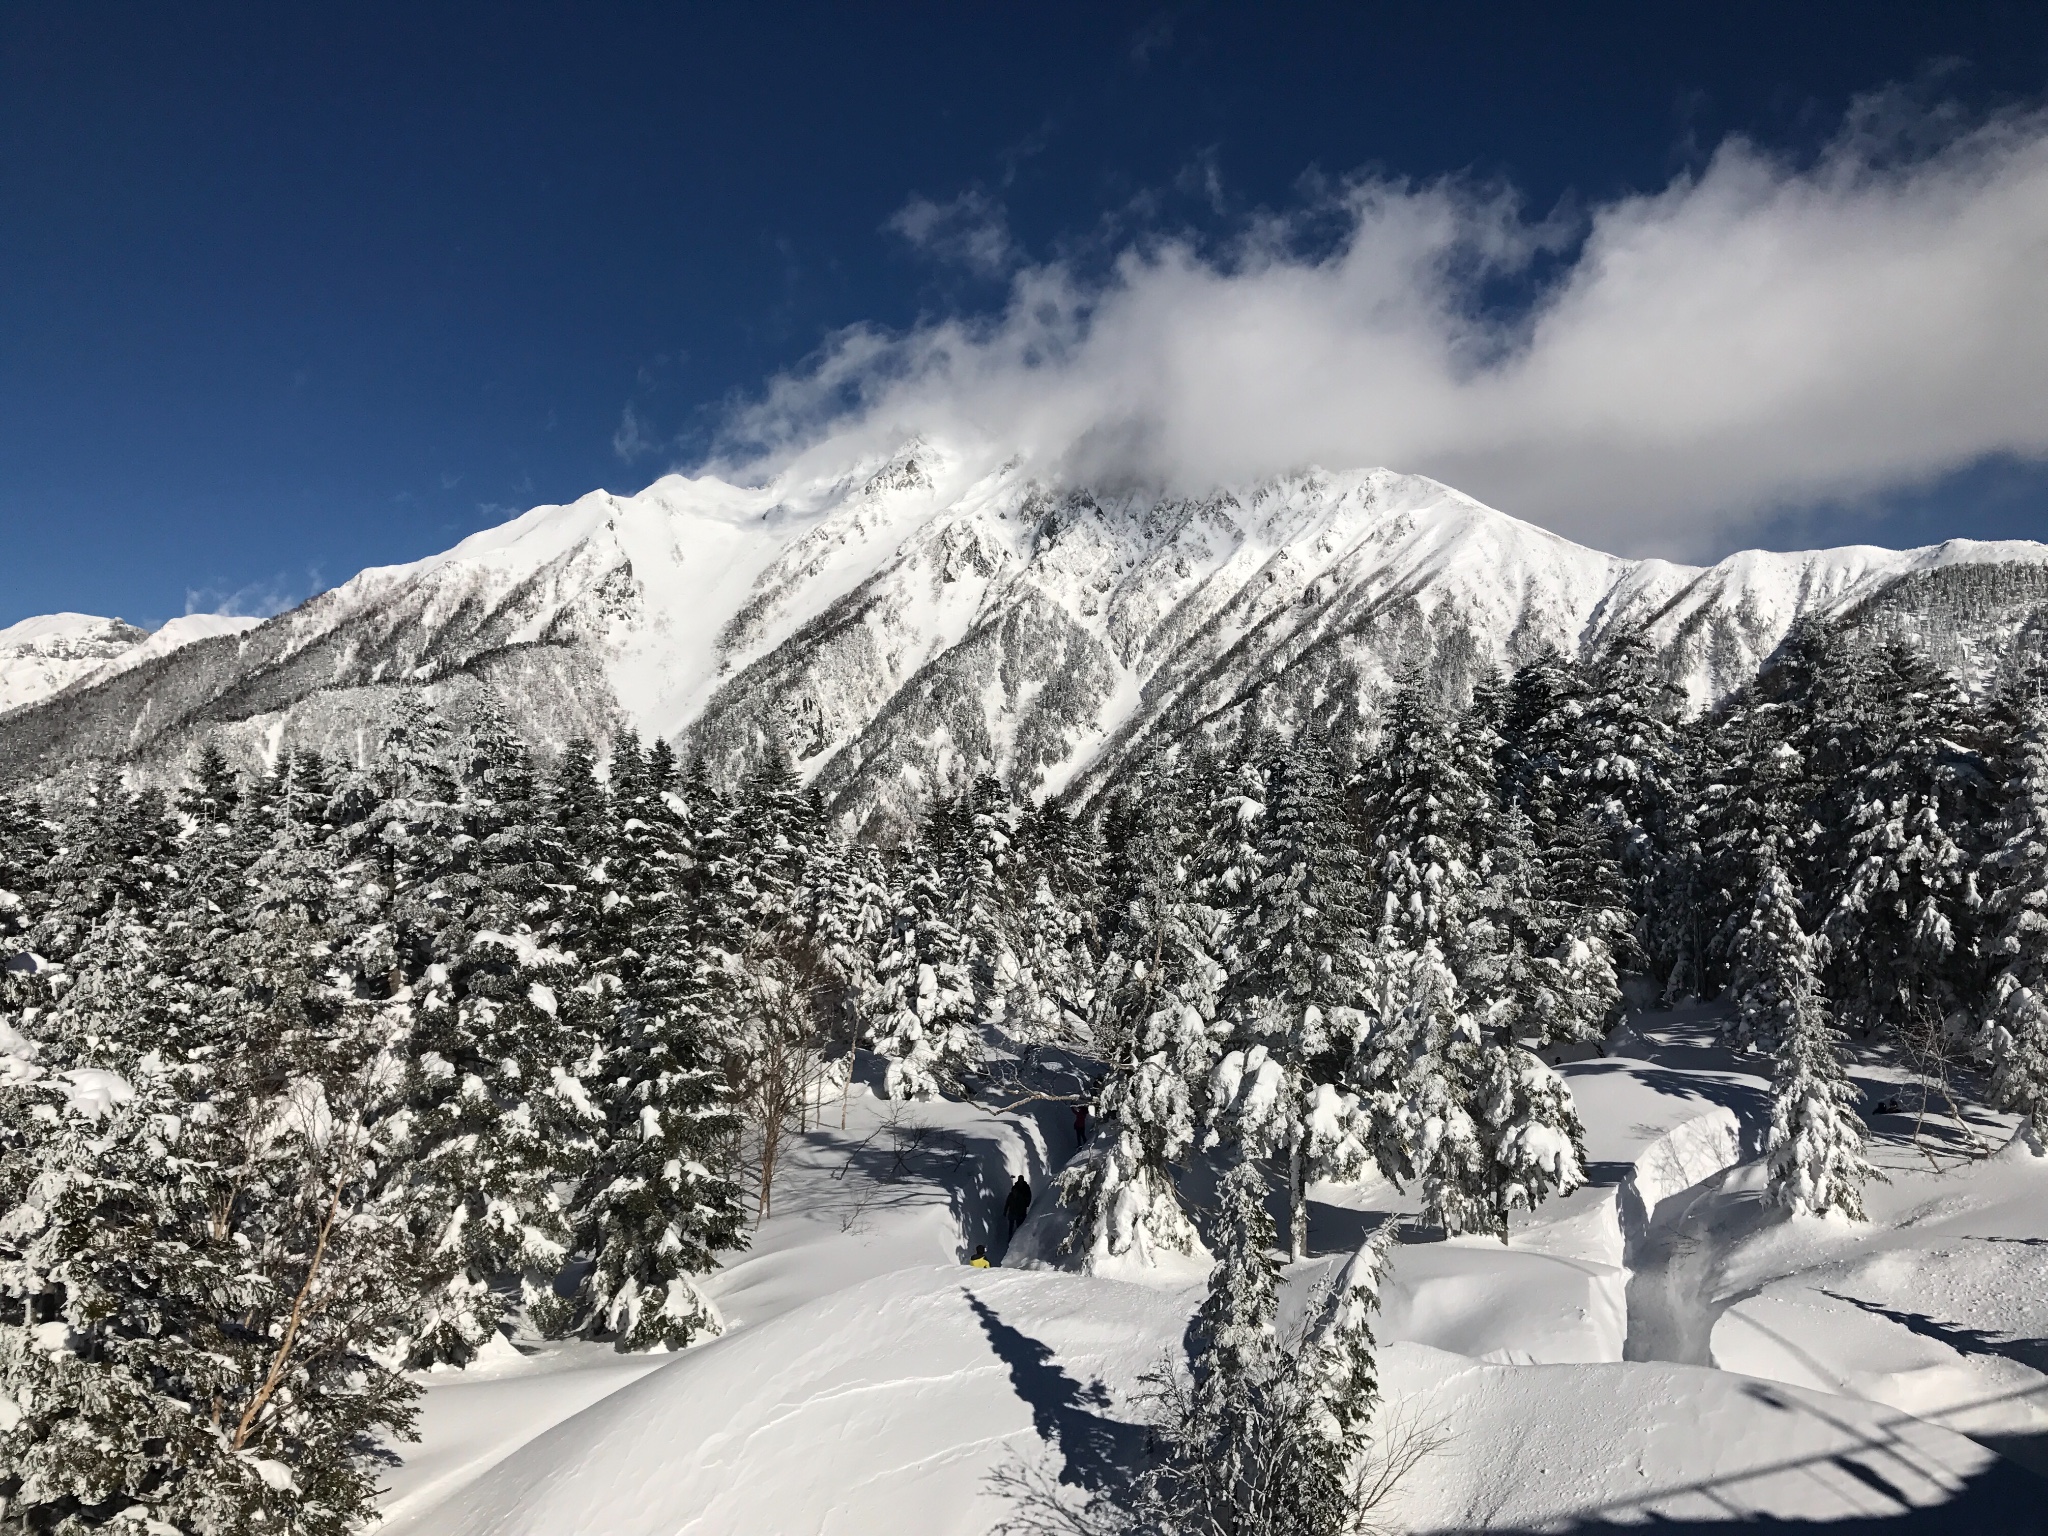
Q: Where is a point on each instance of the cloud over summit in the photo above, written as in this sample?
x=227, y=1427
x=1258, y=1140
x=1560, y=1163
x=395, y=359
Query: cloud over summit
x=1756, y=336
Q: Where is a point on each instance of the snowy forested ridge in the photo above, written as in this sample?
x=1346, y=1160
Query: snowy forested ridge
x=395, y=1013
x=56, y=651
x=902, y=625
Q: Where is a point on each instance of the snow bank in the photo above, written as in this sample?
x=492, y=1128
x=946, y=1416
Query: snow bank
x=1473, y=1297
x=1936, y=1307
x=883, y=1408
x=471, y=1420
x=892, y=1407
x=1557, y=1292
x=1643, y=1444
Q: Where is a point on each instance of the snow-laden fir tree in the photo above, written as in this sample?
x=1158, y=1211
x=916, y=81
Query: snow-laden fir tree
x=926, y=1018
x=974, y=849
x=659, y=1201
x=1268, y=1433
x=1054, y=891
x=413, y=830
x=1430, y=806
x=1292, y=1001
x=2017, y=1022
x=1232, y=795
x=24, y=874
x=1538, y=731
x=1624, y=763
x=1592, y=937
x=767, y=850
x=850, y=910
x=1759, y=966
x=1155, y=1030
x=1483, y=1125
x=199, y=1274
x=1815, y=1147
x=499, y=1118
x=1902, y=936
x=1756, y=814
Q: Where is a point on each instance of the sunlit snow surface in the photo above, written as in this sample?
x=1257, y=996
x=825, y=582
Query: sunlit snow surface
x=55, y=651
x=1654, y=1350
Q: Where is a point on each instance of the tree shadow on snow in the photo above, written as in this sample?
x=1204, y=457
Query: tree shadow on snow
x=1749, y=1097
x=2002, y=1498
x=2032, y=1353
x=1097, y=1451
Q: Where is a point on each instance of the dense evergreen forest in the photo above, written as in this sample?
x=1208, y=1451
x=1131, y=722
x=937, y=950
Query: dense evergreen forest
x=313, y=1078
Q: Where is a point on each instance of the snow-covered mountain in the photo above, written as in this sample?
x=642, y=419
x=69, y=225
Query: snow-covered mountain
x=902, y=626
x=55, y=651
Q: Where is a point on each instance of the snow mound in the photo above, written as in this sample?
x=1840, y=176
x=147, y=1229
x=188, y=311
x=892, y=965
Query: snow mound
x=1937, y=1307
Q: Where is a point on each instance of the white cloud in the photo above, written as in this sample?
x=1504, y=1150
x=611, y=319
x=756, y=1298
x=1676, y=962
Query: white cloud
x=970, y=230
x=259, y=599
x=1756, y=336
x=631, y=440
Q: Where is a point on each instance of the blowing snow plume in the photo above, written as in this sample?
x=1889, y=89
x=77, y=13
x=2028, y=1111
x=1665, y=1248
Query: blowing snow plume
x=1756, y=336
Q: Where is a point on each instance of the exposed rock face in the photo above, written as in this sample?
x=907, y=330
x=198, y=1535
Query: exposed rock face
x=901, y=628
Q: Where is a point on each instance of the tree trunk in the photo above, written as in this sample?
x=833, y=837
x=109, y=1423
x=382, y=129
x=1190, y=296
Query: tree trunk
x=1297, y=1198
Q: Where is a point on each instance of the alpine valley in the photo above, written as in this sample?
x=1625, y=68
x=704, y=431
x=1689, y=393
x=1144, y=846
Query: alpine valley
x=982, y=1003
x=915, y=620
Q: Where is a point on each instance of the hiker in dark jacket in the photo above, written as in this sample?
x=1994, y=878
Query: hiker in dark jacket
x=1018, y=1206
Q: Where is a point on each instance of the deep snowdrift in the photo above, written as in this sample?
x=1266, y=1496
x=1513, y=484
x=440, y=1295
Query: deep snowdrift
x=1654, y=1349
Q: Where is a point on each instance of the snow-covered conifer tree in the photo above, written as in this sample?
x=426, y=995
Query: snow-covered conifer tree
x=1624, y=762
x=1815, y=1144
x=2017, y=1024
x=1292, y=1001
x=1539, y=730
x=1902, y=938
x=203, y=1267
x=1268, y=1432
x=659, y=1200
x=1156, y=1033
x=926, y=1022
x=1430, y=806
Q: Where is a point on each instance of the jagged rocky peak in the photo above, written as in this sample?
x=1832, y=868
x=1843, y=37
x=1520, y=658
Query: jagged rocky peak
x=905, y=620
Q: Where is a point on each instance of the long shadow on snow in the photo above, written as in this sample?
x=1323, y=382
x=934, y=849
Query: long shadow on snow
x=2032, y=1353
x=2029, y=1450
x=1750, y=1098
x=2001, y=1499
x=1097, y=1451
x=914, y=1163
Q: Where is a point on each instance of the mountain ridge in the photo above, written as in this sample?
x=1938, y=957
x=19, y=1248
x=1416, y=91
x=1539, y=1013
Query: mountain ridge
x=906, y=622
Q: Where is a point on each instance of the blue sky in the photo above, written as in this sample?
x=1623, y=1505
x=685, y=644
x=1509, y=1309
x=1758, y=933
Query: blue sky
x=290, y=290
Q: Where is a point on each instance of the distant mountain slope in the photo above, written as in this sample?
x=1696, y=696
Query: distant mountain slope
x=45, y=655
x=901, y=627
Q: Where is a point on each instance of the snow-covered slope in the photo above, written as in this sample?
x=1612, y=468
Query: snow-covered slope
x=41, y=655
x=869, y=1382
x=902, y=626
x=45, y=655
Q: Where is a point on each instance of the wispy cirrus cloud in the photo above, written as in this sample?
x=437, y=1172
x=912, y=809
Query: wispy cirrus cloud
x=970, y=230
x=1756, y=335
x=257, y=599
